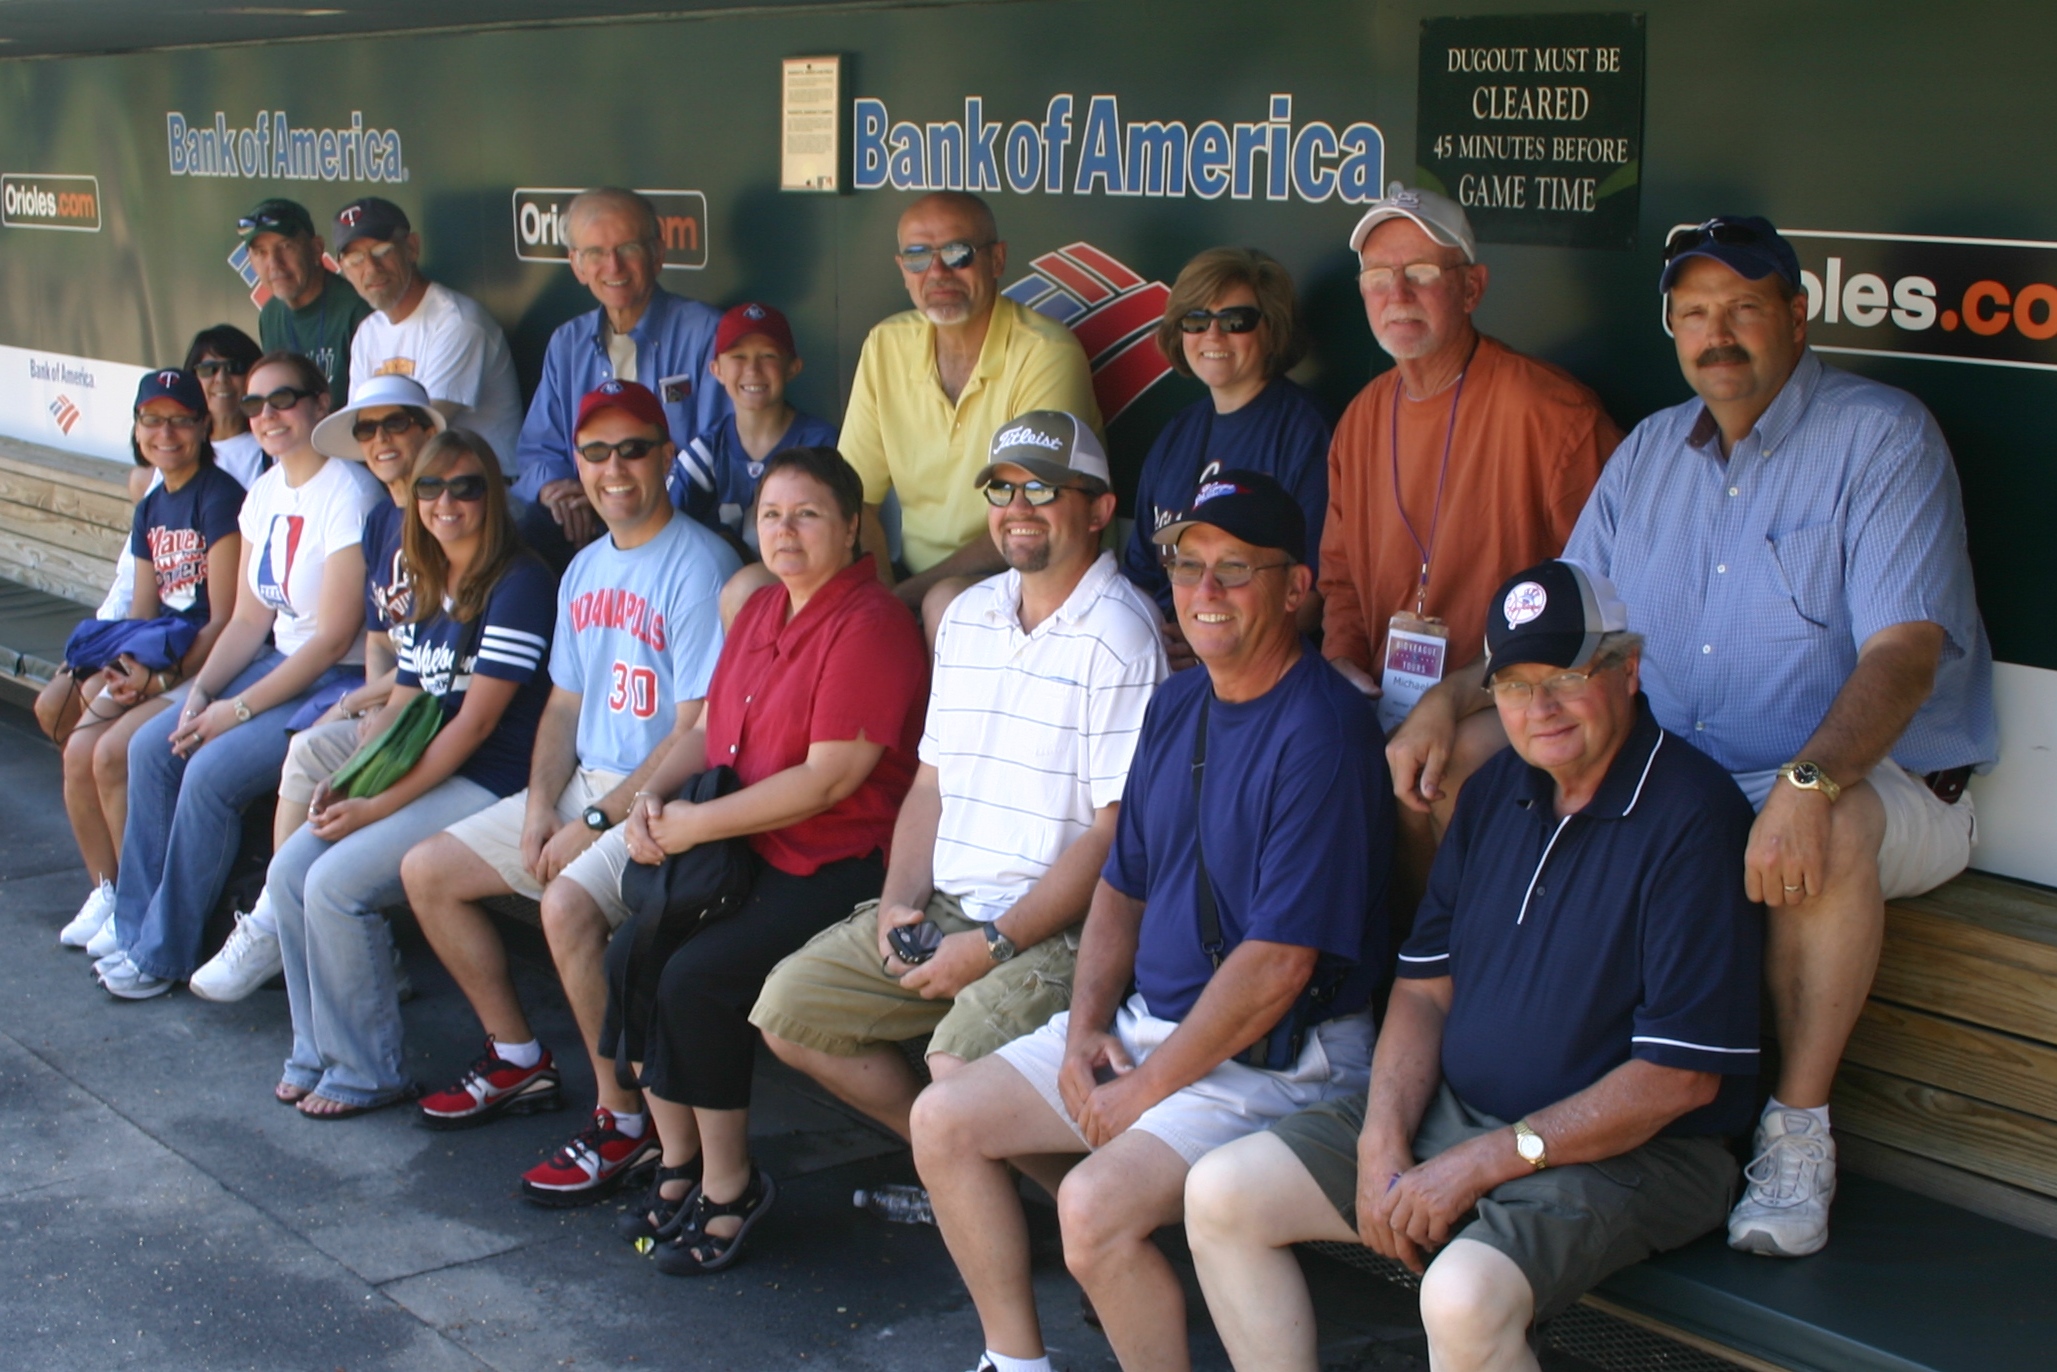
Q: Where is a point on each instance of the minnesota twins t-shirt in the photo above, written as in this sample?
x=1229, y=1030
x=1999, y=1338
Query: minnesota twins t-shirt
x=290, y=533
x=714, y=478
x=638, y=631
x=1297, y=815
x=173, y=530
x=508, y=640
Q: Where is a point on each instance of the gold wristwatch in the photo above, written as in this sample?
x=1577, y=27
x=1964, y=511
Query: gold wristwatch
x=1529, y=1144
x=242, y=711
x=1808, y=776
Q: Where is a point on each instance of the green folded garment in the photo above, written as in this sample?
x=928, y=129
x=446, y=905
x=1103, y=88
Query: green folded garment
x=390, y=756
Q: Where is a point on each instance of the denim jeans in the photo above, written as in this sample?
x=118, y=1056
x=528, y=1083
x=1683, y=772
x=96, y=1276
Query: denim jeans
x=338, y=949
x=185, y=822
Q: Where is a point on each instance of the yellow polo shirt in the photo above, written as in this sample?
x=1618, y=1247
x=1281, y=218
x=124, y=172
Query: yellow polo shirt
x=901, y=432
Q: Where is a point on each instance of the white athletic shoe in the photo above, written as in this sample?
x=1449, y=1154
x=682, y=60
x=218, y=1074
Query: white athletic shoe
x=127, y=981
x=248, y=960
x=92, y=917
x=1792, y=1182
x=104, y=942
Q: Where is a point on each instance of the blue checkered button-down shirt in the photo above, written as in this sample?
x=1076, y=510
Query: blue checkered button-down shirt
x=1755, y=578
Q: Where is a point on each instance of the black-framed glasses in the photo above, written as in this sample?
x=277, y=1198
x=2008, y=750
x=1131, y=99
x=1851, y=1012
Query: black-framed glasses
x=1228, y=573
x=628, y=450
x=187, y=422
x=1559, y=686
x=956, y=256
x=392, y=426
x=1232, y=318
x=215, y=366
x=1420, y=275
x=1000, y=494
x=468, y=488
x=282, y=399
x=1713, y=231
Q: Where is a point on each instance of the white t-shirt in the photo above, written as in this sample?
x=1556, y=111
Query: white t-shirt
x=289, y=533
x=458, y=354
x=240, y=457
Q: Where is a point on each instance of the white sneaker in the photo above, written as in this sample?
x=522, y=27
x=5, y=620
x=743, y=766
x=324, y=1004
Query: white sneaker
x=130, y=982
x=1792, y=1182
x=104, y=942
x=92, y=917
x=248, y=960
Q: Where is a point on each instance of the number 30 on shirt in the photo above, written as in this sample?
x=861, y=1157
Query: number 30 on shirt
x=634, y=689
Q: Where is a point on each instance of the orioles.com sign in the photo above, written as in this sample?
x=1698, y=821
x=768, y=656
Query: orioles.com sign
x=541, y=234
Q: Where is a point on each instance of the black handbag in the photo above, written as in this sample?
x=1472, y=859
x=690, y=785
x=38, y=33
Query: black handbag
x=668, y=904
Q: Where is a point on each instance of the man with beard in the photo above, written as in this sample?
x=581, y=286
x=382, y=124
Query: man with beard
x=419, y=328
x=936, y=382
x=312, y=311
x=1791, y=543
x=1041, y=677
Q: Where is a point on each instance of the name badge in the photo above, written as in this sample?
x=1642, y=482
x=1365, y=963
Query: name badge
x=1416, y=648
x=672, y=390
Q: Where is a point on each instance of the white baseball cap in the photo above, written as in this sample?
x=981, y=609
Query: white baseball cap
x=1438, y=216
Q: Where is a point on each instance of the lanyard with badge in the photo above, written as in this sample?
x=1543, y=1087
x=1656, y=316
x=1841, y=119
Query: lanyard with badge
x=1417, y=643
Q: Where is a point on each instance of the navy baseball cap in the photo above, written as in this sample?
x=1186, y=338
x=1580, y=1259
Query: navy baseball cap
x=1554, y=613
x=172, y=384
x=1246, y=505
x=1746, y=244
x=369, y=217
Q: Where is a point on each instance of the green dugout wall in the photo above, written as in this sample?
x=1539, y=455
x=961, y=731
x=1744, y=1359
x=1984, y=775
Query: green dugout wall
x=1910, y=141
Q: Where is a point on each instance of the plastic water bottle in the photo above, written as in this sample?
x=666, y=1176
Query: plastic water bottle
x=897, y=1204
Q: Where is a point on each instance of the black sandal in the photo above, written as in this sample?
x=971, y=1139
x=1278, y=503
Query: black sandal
x=636, y=1227
x=693, y=1252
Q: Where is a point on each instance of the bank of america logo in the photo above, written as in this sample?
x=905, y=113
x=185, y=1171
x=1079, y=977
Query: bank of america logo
x=65, y=413
x=240, y=260
x=1110, y=310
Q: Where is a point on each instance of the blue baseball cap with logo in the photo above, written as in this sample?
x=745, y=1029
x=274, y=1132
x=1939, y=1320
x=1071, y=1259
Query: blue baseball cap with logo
x=1555, y=613
x=1746, y=244
x=1246, y=505
x=169, y=383
x=369, y=217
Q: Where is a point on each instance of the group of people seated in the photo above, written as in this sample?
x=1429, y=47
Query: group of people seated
x=1387, y=840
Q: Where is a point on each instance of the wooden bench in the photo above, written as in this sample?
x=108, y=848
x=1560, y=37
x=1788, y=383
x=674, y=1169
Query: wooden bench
x=64, y=519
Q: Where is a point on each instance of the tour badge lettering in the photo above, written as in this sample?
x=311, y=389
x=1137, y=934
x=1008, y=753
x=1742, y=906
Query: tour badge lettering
x=540, y=230
x=50, y=202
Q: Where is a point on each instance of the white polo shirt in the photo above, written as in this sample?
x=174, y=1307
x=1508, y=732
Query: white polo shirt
x=1030, y=733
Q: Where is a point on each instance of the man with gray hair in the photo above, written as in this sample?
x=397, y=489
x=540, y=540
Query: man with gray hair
x=641, y=332
x=1572, y=1035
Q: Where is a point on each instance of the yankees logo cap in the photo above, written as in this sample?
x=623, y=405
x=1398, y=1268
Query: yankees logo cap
x=753, y=317
x=174, y=385
x=626, y=396
x=1438, y=216
x=1554, y=613
x=1246, y=505
x=1053, y=445
x=369, y=217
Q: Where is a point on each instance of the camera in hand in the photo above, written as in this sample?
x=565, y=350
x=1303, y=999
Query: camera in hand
x=915, y=944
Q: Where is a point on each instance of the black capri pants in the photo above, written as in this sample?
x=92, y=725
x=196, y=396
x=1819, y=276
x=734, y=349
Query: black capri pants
x=700, y=1047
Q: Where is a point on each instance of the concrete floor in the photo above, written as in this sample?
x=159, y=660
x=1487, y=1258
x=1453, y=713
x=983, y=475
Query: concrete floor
x=157, y=1209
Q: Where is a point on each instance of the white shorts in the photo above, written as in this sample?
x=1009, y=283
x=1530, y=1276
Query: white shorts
x=494, y=833
x=1927, y=841
x=1227, y=1103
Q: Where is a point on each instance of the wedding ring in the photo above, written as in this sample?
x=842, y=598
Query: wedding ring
x=1800, y=887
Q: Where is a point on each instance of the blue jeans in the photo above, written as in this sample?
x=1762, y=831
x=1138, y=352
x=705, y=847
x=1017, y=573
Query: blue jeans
x=185, y=823
x=338, y=949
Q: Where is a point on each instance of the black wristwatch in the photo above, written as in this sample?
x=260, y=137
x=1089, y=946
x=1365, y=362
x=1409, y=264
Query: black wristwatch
x=999, y=947
x=596, y=819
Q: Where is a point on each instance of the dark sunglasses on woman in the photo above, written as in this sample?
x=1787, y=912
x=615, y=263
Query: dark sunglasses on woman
x=282, y=399
x=1232, y=318
x=467, y=488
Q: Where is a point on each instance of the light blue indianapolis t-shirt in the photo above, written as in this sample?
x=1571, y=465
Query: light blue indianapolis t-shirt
x=638, y=631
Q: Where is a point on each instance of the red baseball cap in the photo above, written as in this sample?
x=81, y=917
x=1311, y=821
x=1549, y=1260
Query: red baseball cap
x=627, y=396
x=751, y=317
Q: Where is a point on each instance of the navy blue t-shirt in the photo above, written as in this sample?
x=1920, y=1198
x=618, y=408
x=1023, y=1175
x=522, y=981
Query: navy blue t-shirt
x=172, y=531
x=511, y=641
x=1618, y=932
x=386, y=602
x=1298, y=818
x=1281, y=433
x=714, y=478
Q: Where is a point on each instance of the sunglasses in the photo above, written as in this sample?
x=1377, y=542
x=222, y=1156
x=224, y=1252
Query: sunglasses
x=1420, y=275
x=628, y=450
x=392, y=426
x=954, y=256
x=188, y=422
x=282, y=399
x=1187, y=571
x=1232, y=318
x=1713, y=231
x=267, y=223
x=466, y=488
x=1000, y=494
x=214, y=367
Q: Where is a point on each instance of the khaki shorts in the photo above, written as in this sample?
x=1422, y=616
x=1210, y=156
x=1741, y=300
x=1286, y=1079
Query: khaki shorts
x=494, y=833
x=1567, y=1228
x=313, y=757
x=1927, y=842
x=834, y=997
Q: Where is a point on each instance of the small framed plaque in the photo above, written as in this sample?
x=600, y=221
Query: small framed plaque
x=810, y=127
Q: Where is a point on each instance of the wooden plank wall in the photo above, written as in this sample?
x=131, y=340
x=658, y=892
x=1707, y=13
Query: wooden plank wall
x=64, y=519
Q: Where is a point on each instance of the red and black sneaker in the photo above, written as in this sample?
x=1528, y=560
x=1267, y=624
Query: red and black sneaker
x=491, y=1087
x=591, y=1165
